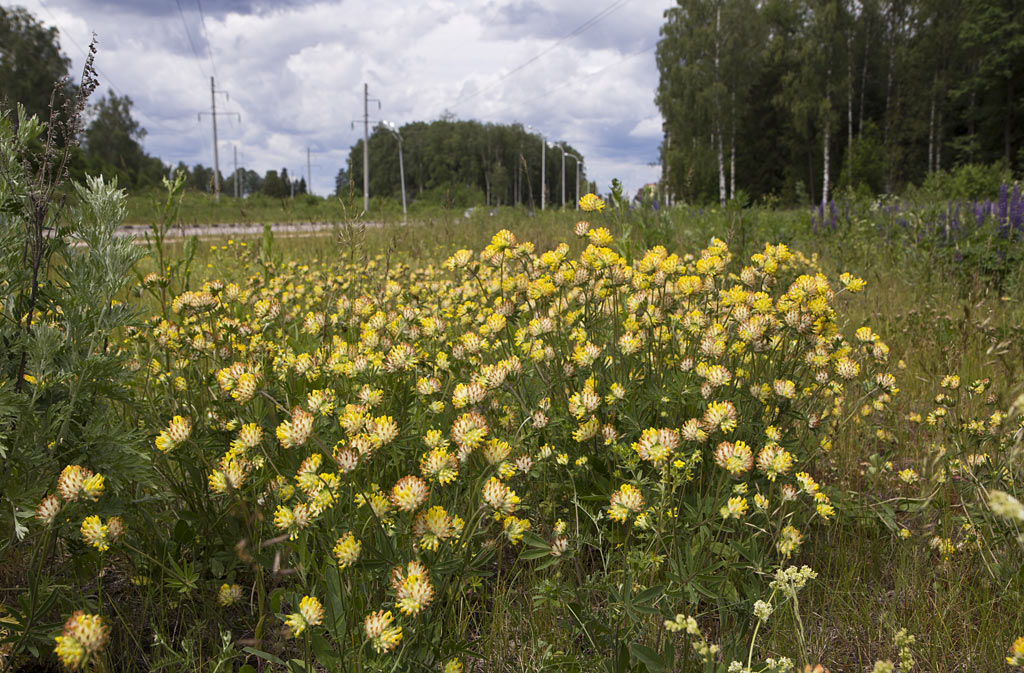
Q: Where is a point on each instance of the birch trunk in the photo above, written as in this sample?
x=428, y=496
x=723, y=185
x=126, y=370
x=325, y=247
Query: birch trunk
x=824, y=179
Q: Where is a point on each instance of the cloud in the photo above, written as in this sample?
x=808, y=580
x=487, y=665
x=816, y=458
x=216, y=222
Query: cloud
x=295, y=71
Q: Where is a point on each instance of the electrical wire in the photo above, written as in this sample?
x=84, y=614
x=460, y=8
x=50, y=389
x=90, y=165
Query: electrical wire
x=206, y=35
x=578, y=30
x=191, y=44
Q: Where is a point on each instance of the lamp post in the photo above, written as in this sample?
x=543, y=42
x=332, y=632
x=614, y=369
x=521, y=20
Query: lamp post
x=578, y=161
x=543, y=177
x=401, y=167
x=562, y=150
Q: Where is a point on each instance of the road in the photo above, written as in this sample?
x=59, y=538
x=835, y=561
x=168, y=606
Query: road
x=221, y=230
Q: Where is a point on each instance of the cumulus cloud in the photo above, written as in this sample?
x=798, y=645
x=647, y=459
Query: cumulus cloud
x=295, y=70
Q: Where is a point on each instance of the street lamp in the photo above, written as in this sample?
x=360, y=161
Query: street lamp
x=562, y=150
x=401, y=167
x=543, y=176
x=578, y=161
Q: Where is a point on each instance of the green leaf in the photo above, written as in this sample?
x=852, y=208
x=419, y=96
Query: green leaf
x=325, y=654
x=534, y=540
x=649, y=594
x=182, y=532
x=550, y=562
x=530, y=554
x=648, y=657
x=266, y=656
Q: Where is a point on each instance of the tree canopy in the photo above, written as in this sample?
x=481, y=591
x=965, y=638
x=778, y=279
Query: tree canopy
x=466, y=163
x=795, y=98
x=31, y=63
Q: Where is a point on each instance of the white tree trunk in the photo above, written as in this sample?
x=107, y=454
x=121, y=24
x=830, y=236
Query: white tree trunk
x=824, y=181
x=722, y=195
x=732, y=152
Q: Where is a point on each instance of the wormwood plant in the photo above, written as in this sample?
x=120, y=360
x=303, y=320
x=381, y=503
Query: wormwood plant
x=62, y=372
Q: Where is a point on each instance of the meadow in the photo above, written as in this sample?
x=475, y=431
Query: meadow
x=630, y=438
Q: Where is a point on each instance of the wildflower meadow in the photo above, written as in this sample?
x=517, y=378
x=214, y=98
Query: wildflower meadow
x=633, y=438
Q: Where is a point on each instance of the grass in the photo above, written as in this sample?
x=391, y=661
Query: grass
x=201, y=208
x=872, y=581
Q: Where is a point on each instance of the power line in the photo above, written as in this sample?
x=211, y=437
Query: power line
x=209, y=46
x=582, y=28
x=188, y=34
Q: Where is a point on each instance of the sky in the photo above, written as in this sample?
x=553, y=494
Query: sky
x=293, y=71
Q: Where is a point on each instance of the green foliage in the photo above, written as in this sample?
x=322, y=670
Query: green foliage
x=940, y=81
x=968, y=182
x=64, y=379
x=31, y=63
x=479, y=164
x=864, y=165
x=113, y=146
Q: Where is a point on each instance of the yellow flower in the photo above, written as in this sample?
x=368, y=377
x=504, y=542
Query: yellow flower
x=735, y=508
x=409, y=493
x=94, y=532
x=379, y=630
x=413, y=591
x=590, y=203
x=310, y=613
x=623, y=501
x=1016, y=657
x=177, y=431
x=229, y=594
x=789, y=540
x=83, y=636
x=499, y=496
x=347, y=550
x=434, y=527
x=515, y=528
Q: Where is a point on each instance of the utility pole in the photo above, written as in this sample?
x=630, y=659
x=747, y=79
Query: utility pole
x=366, y=147
x=213, y=116
x=543, y=176
x=216, y=157
x=563, y=177
x=235, y=179
x=578, y=160
x=543, y=168
x=401, y=166
x=309, y=173
x=366, y=144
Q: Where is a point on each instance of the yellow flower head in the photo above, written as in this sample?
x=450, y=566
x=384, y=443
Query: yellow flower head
x=83, y=636
x=380, y=631
x=624, y=501
x=95, y=533
x=1016, y=657
x=409, y=493
x=229, y=594
x=591, y=202
x=310, y=613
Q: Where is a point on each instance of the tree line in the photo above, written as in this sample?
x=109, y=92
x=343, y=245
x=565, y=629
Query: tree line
x=798, y=98
x=466, y=163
